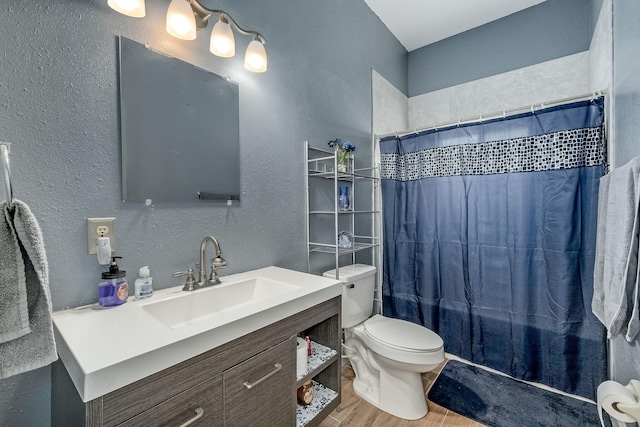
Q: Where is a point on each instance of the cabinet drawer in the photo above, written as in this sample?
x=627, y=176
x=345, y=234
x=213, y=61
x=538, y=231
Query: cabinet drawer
x=202, y=402
x=260, y=390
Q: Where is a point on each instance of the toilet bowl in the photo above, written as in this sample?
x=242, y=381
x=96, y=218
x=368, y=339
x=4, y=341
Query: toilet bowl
x=387, y=355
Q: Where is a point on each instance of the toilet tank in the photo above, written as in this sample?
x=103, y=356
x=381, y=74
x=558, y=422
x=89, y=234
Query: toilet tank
x=359, y=282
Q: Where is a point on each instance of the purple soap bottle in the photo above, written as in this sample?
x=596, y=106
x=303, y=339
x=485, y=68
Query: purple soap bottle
x=113, y=289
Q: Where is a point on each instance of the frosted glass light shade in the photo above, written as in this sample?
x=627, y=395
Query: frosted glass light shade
x=181, y=23
x=256, y=57
x=133, y=8
x=222, y=41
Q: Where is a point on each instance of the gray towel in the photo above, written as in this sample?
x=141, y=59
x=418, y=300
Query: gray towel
x=37, y=348
x=616, y=281
x=14, y=314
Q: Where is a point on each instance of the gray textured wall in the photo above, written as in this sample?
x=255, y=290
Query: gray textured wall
x=550, y=30
x=58, y=95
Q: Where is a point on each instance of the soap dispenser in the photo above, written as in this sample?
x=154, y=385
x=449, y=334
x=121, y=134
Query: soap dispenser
x=113, y=289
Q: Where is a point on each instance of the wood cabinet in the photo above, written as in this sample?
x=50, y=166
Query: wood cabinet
x=200, y=405
x=261, y=388
x=250, y=381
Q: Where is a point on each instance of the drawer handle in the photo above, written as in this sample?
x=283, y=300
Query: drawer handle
x=275, y=371
x=199, y=414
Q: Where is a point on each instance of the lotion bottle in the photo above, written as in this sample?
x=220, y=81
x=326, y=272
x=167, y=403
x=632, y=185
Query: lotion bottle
x=143, y=285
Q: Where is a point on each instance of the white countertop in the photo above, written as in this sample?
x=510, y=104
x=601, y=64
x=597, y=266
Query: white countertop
x=105, y=349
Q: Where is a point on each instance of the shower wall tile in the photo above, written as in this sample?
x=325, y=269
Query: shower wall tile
x=429, y=108
x=499, y=90
x=468, y=100
x=390, y=106
x=600, y=65
x=560, y=78
x=600, y=51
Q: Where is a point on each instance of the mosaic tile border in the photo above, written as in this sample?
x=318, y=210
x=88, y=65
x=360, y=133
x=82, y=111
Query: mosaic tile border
x=558, y=150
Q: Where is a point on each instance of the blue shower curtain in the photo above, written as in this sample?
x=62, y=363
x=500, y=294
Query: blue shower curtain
x=489, y=240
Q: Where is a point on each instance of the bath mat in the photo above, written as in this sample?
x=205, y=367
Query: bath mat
x=498, y=401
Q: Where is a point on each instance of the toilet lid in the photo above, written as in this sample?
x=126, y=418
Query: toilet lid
x=402, y=334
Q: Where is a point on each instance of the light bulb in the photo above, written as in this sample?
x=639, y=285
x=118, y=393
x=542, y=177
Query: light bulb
x=133, y=8
x=181, y=22
x=222, y=42
x=255, y=59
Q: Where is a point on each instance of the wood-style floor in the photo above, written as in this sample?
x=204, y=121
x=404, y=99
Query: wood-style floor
x=356, y=412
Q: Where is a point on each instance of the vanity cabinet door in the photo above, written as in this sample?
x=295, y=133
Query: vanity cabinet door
x=199, y=406
x=260, y=390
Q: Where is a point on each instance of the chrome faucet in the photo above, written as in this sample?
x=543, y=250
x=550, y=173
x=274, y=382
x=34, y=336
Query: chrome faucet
x=216, y=263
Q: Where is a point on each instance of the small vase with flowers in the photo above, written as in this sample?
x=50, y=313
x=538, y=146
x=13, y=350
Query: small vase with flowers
x=343, y=148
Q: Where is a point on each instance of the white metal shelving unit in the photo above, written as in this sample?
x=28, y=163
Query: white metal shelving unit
x=322, y=164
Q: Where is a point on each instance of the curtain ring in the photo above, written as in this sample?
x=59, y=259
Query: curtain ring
x=480, y=119
x=532, y=110
x=458, y=123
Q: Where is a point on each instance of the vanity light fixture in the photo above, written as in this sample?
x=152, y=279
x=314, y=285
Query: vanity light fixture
x=133, y=8
x=222, y=41
x=185, y=17
x=256, y=57
x=181, y=21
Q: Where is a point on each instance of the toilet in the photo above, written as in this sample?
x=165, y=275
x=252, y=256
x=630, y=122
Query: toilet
x=387, y=355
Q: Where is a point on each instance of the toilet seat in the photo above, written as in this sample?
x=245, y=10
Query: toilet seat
x=402, y=335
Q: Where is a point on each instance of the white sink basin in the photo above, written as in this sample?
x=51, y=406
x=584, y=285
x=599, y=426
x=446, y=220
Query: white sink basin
x=106, y=349
x=202, y=304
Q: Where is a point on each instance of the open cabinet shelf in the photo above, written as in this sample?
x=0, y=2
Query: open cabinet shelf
x=323, y=403
x=323, y=368
x=321, y=357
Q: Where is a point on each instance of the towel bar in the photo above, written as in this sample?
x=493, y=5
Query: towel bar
x=6, y=172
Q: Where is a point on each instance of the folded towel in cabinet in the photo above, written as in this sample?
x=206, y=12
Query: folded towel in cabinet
x=616, y=281
x=36, y=348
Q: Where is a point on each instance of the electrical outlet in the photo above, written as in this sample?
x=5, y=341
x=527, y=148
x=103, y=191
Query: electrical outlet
x=100, y=227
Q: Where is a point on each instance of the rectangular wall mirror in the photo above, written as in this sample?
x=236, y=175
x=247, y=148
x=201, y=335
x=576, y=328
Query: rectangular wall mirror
x=179, y=129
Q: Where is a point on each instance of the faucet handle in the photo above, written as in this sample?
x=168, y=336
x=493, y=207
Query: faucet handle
x=190, y=284
x=215, y=265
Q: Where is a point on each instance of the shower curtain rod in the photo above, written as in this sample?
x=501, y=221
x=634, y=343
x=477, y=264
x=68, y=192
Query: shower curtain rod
x=497, y=114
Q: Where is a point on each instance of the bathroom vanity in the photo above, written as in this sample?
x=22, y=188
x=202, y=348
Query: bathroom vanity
x=160, y=371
